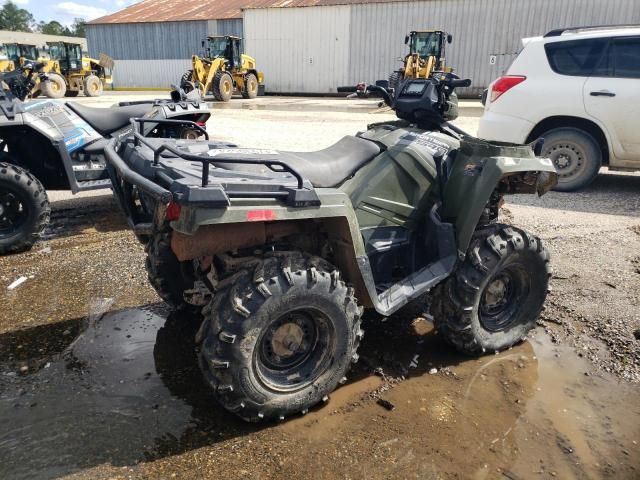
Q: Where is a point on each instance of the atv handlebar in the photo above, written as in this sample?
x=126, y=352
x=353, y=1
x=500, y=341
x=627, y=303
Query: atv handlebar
x=458, y=83
x=347, y=89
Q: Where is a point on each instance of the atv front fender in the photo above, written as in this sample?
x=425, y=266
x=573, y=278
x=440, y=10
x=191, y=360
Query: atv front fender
x=481, y=168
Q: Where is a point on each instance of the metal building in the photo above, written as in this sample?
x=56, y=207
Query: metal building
x=38, y=39
x=314, y=49
x=313, y=46
x=152, y=41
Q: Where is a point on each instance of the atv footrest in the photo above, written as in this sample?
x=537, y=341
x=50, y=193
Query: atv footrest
x=93, y=185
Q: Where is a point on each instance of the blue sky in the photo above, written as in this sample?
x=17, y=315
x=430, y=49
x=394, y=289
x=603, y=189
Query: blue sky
x=65, y=11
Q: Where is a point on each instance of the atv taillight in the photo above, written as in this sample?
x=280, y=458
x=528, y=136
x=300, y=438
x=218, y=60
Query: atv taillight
x=202, y=124
x=260, y=215
x=173, y=212
x=504, y=84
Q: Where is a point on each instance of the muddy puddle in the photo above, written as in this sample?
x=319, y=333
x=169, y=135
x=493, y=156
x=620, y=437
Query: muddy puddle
x=122, y=389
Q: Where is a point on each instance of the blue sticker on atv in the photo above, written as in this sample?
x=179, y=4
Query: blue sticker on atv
x=75, y=139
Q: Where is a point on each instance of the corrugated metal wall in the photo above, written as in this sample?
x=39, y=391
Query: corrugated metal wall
x=300, y=49
x=481, y=28
x=146, y=41
x=137, y=47
x=149, y=73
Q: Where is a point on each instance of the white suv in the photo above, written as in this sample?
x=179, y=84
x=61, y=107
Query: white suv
x=579, y=89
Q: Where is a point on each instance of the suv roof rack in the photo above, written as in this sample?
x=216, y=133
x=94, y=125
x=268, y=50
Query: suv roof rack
x=559, y=31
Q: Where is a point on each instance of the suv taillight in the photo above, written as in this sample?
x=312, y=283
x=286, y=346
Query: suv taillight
x=503, y=84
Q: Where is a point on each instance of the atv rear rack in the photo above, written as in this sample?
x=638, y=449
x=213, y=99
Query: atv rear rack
x=206, y=161
x=206, y=194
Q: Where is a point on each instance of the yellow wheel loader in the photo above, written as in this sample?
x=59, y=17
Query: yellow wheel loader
x=222, y=70
x=426, y=56
x=70, y=73
x=14, y=54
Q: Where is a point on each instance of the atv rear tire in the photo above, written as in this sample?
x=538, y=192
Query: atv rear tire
x=280, y=337
x=24, y=209
x=576, y=156
x=54, y=86
x=92, y=86
x=495, y=296
x=250, y=89
x=168, y=276
x=222, y=86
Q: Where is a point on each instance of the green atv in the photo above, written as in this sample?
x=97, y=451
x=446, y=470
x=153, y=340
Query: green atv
x=283, y=251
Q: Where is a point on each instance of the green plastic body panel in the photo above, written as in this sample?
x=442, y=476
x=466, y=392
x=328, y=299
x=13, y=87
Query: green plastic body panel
x=395, y=188
x=478, y=168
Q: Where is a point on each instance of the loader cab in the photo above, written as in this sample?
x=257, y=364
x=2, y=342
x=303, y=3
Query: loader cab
x=29, y=52
x=429, y=43
x=228, y=47
x=68, y=55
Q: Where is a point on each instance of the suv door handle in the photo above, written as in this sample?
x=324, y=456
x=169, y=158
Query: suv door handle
x=603, y=93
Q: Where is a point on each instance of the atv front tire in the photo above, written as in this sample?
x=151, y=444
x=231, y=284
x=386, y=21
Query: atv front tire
x=250, y=89
x=222, y=86
x=54, y=86
x=280, y=337
x=167, y=275
x=495, y=296
x=24, y=209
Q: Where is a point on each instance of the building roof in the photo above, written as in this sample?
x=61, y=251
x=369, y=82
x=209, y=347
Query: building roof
x=37, y=39
x=148, y=11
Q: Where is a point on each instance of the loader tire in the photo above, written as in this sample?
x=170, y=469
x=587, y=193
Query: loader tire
x=167, y=275
x=24, y=209
x=92, y=86
x=250, y=89
x=496, y=294
x=54, y=86
x=222, y=86
x=186, y=82
x=394, y=81
x=279, y=337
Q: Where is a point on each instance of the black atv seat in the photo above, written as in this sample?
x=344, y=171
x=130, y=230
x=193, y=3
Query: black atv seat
x=107, y=120
x=333, y=165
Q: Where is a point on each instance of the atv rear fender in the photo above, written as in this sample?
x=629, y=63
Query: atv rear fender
x=201, y=232
x=481, y=168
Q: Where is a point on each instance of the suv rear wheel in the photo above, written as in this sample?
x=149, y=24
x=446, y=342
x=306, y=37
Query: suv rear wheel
x=576, y=156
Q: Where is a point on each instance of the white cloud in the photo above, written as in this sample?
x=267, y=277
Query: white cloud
x=20, y=2
x=79, y=10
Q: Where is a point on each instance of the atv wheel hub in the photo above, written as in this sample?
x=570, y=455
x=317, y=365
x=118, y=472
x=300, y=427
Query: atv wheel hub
x=502, y=298
x=293, y=351
x=12, y=213
x=495, y=294
x=287, y=340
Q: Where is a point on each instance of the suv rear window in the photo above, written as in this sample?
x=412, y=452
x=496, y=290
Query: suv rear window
x=626, y=57
x=575, y=57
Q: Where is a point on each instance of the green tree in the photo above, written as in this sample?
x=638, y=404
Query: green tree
x=53, y=28
x=77, y=28
x=15, y=18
